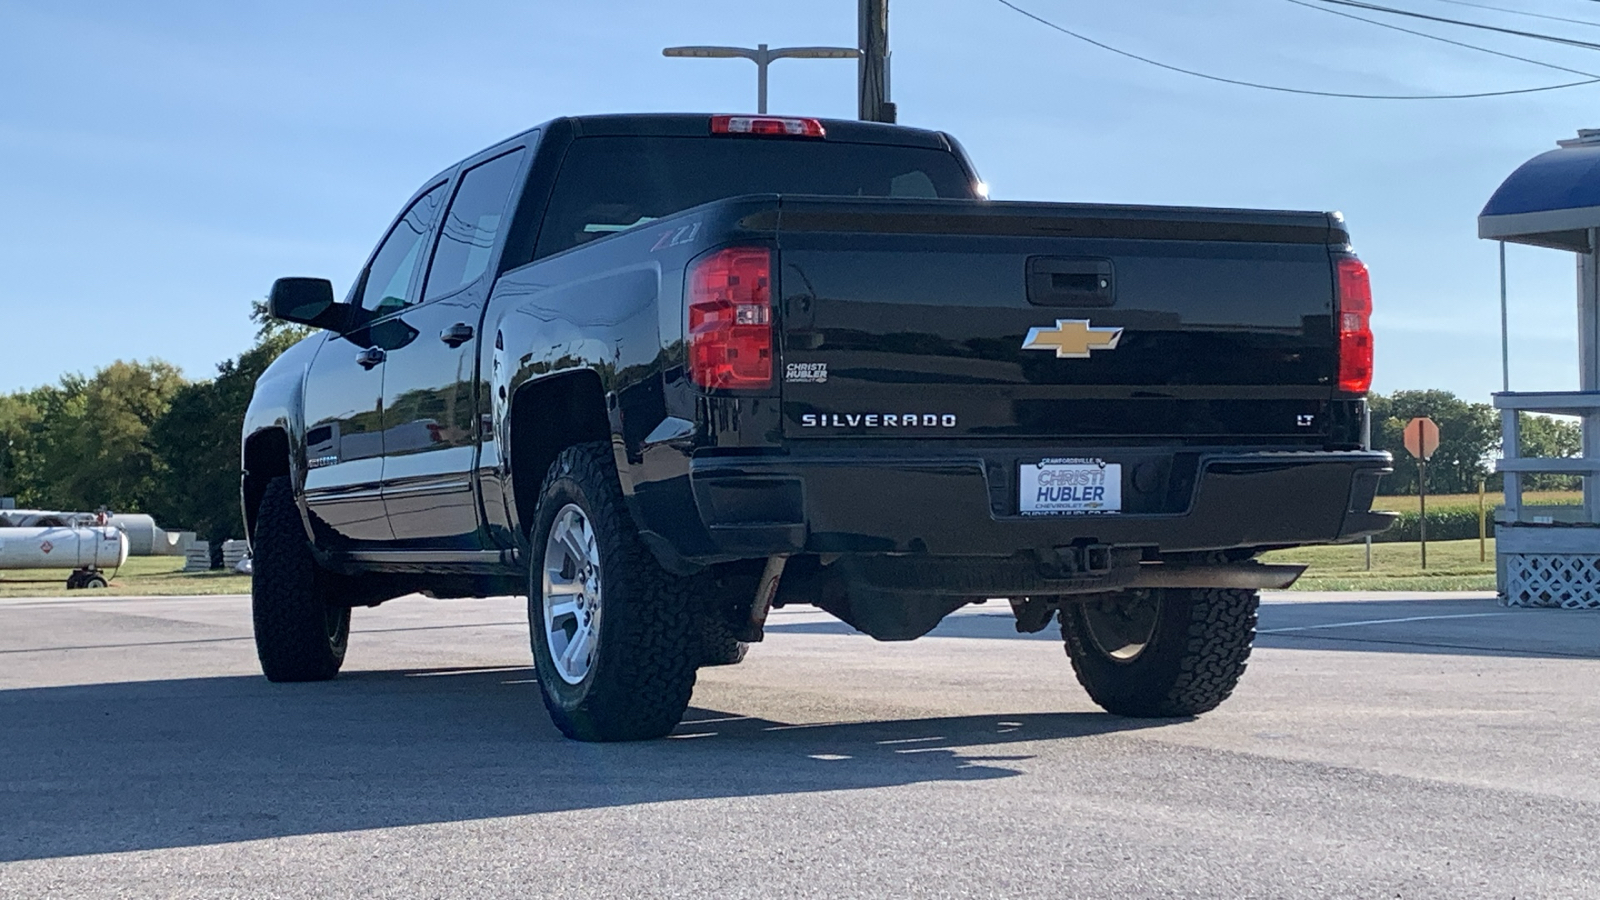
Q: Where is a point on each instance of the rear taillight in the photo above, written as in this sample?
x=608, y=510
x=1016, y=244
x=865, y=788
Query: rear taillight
x=730, y=319
x=767, y=125
x=1355, y=326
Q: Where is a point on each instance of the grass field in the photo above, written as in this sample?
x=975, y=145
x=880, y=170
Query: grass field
x=1452, y=566
x=1490, y=500
x=142, y=576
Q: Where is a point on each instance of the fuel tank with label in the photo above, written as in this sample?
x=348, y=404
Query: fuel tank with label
x=100, y=547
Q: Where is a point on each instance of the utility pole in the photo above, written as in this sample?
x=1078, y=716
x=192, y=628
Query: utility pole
x=873, y=38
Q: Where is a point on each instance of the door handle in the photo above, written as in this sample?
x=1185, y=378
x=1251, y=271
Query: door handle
x=370, y=357
x=456, y=334
x=1071, y=281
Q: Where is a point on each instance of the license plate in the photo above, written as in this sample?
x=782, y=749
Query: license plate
x=1053, y=487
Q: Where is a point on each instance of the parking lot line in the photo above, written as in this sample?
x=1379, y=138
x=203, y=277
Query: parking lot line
x=1380, y=622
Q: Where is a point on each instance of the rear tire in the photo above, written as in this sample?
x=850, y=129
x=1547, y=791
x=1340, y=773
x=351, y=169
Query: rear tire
x=718, y=646
x=300, y=635
x=726, y=595
x=613, y=643
x=1161, y=653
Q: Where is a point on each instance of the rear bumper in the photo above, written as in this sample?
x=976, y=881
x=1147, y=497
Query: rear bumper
x=966, y=505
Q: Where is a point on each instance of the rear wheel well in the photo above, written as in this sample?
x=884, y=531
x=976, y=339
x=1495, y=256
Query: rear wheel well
x=547, y=416
x=266, y=456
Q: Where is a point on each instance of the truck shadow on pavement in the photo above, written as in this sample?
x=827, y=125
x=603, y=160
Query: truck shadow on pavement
x=1447, y=626
x=147, y=765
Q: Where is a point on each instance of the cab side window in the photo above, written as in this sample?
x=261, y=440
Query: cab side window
x=394, y=266
x=476, y=217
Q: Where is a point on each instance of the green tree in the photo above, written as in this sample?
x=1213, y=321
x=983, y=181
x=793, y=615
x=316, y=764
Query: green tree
x=1469, y=434
x=1549, y=438
x=199, y=440
x=83, y=443
x=17, y=418
x=139, y=438
x=39, y=426
x=114, y=463
x=276, y=332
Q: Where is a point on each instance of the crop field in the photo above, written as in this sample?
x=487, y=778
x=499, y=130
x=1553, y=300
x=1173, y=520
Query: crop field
x=1490, y=500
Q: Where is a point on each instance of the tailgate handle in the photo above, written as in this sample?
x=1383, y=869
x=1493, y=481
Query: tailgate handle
x=1067, y=281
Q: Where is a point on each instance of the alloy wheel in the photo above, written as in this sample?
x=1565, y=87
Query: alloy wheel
x=572, y=594
x=1123, y=624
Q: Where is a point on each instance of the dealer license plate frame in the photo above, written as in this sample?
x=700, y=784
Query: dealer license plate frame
x=1066, y=486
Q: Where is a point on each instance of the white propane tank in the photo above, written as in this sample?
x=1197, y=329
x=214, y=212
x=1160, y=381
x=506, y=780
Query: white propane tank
x=99, y=547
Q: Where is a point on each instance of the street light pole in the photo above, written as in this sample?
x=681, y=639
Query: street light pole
x=763, y=57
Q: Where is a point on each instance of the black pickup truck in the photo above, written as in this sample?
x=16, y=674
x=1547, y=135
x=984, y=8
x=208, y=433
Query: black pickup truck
x=662, y=373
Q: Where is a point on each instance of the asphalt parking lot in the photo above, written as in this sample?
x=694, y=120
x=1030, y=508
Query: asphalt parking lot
x=1380, y=746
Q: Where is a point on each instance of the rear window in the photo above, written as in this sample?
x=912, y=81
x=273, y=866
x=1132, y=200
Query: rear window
x=611, y=184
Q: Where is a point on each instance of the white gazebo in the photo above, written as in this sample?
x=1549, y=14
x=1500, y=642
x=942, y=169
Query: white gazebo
x=1552, y=200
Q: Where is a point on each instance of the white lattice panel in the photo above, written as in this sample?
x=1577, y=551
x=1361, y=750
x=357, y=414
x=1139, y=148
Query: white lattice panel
x=1565, y=580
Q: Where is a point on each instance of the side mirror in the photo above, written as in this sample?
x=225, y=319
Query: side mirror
x=308, y=301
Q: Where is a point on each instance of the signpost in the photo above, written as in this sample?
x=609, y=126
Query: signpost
x=1422, y=439
x=1483, y=526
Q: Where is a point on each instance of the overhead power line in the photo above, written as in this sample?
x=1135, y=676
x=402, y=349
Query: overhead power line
x=1443, y=40
x=1281, y=88
x=1533, y=35
x=1520, y=12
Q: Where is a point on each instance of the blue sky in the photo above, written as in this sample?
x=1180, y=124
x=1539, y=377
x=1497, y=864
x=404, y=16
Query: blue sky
x=162, y=162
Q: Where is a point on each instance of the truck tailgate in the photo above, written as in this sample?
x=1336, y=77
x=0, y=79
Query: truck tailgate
x=905, y=319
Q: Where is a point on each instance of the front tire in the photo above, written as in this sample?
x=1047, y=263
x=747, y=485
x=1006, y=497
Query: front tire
x=300, y=635
x=1161, y=653
x=613, y=645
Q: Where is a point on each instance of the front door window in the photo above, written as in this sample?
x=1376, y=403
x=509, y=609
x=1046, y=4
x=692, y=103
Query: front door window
x=394, y=266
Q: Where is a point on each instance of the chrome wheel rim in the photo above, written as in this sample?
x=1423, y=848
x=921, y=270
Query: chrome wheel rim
x=1124, y=624
x=571, y=594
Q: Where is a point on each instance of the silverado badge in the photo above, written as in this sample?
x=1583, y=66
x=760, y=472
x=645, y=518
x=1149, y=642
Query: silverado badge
x=1072, y=338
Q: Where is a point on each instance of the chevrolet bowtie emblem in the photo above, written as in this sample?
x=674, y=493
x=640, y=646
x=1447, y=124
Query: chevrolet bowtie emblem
x=1072, y=338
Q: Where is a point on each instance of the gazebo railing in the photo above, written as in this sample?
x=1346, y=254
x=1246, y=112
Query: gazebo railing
x=1583, y=404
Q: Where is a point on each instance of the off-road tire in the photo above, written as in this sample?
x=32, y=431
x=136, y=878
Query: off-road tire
x=723, y=613
x=643, y=672
x=1190, y=665
x=718, y=646
x=300, y=635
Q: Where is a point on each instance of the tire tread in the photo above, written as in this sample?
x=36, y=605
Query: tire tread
x=286, y=597
x=1185, y=674
x=643, y=685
